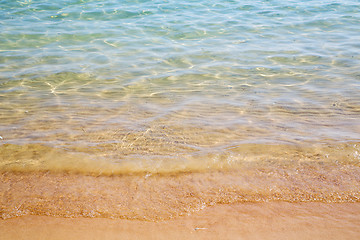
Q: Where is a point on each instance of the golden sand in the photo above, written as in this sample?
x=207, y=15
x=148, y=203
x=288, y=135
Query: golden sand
x=299, y=194
x=274, y=220
x=165, y=196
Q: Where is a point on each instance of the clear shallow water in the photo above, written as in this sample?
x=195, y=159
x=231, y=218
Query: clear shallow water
x=176, y=105
x=147, y=82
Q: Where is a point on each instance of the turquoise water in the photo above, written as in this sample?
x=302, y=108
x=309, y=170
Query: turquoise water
x=125, y=80
x=157, y=109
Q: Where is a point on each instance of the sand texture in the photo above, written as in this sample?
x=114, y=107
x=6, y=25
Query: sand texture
x=275, y=220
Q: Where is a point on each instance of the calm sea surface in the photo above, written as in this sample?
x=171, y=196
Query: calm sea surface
x=115, y=87
x=159, y=80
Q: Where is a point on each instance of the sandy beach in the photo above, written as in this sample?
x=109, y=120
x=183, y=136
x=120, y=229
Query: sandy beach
x=179, y=120
x=177, y=206
x=272, y=220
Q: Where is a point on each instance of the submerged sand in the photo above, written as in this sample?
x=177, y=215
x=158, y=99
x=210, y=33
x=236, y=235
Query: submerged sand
x=307, y=199
x=271, y=220
x=154, y=197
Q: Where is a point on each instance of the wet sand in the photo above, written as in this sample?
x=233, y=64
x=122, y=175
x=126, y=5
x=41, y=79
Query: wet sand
x=271, y=220
x=262, y=201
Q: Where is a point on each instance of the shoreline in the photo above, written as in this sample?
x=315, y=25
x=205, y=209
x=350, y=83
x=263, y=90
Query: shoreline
x=266, y=220
x=158, y=197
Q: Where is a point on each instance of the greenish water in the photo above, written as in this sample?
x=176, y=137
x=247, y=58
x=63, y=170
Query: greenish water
x=148, y=82
x=155, y=109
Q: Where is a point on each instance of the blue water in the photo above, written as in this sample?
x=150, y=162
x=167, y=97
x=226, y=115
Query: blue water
x=178, y=78
x=151, y=38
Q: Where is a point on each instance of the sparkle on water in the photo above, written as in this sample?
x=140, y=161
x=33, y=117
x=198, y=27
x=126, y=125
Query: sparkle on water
x=267, y=89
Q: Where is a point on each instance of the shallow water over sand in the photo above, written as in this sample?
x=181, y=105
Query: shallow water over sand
x=172, y=81
x=249, y=101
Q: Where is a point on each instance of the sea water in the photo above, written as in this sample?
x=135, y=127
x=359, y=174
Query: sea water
x=265, y=91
